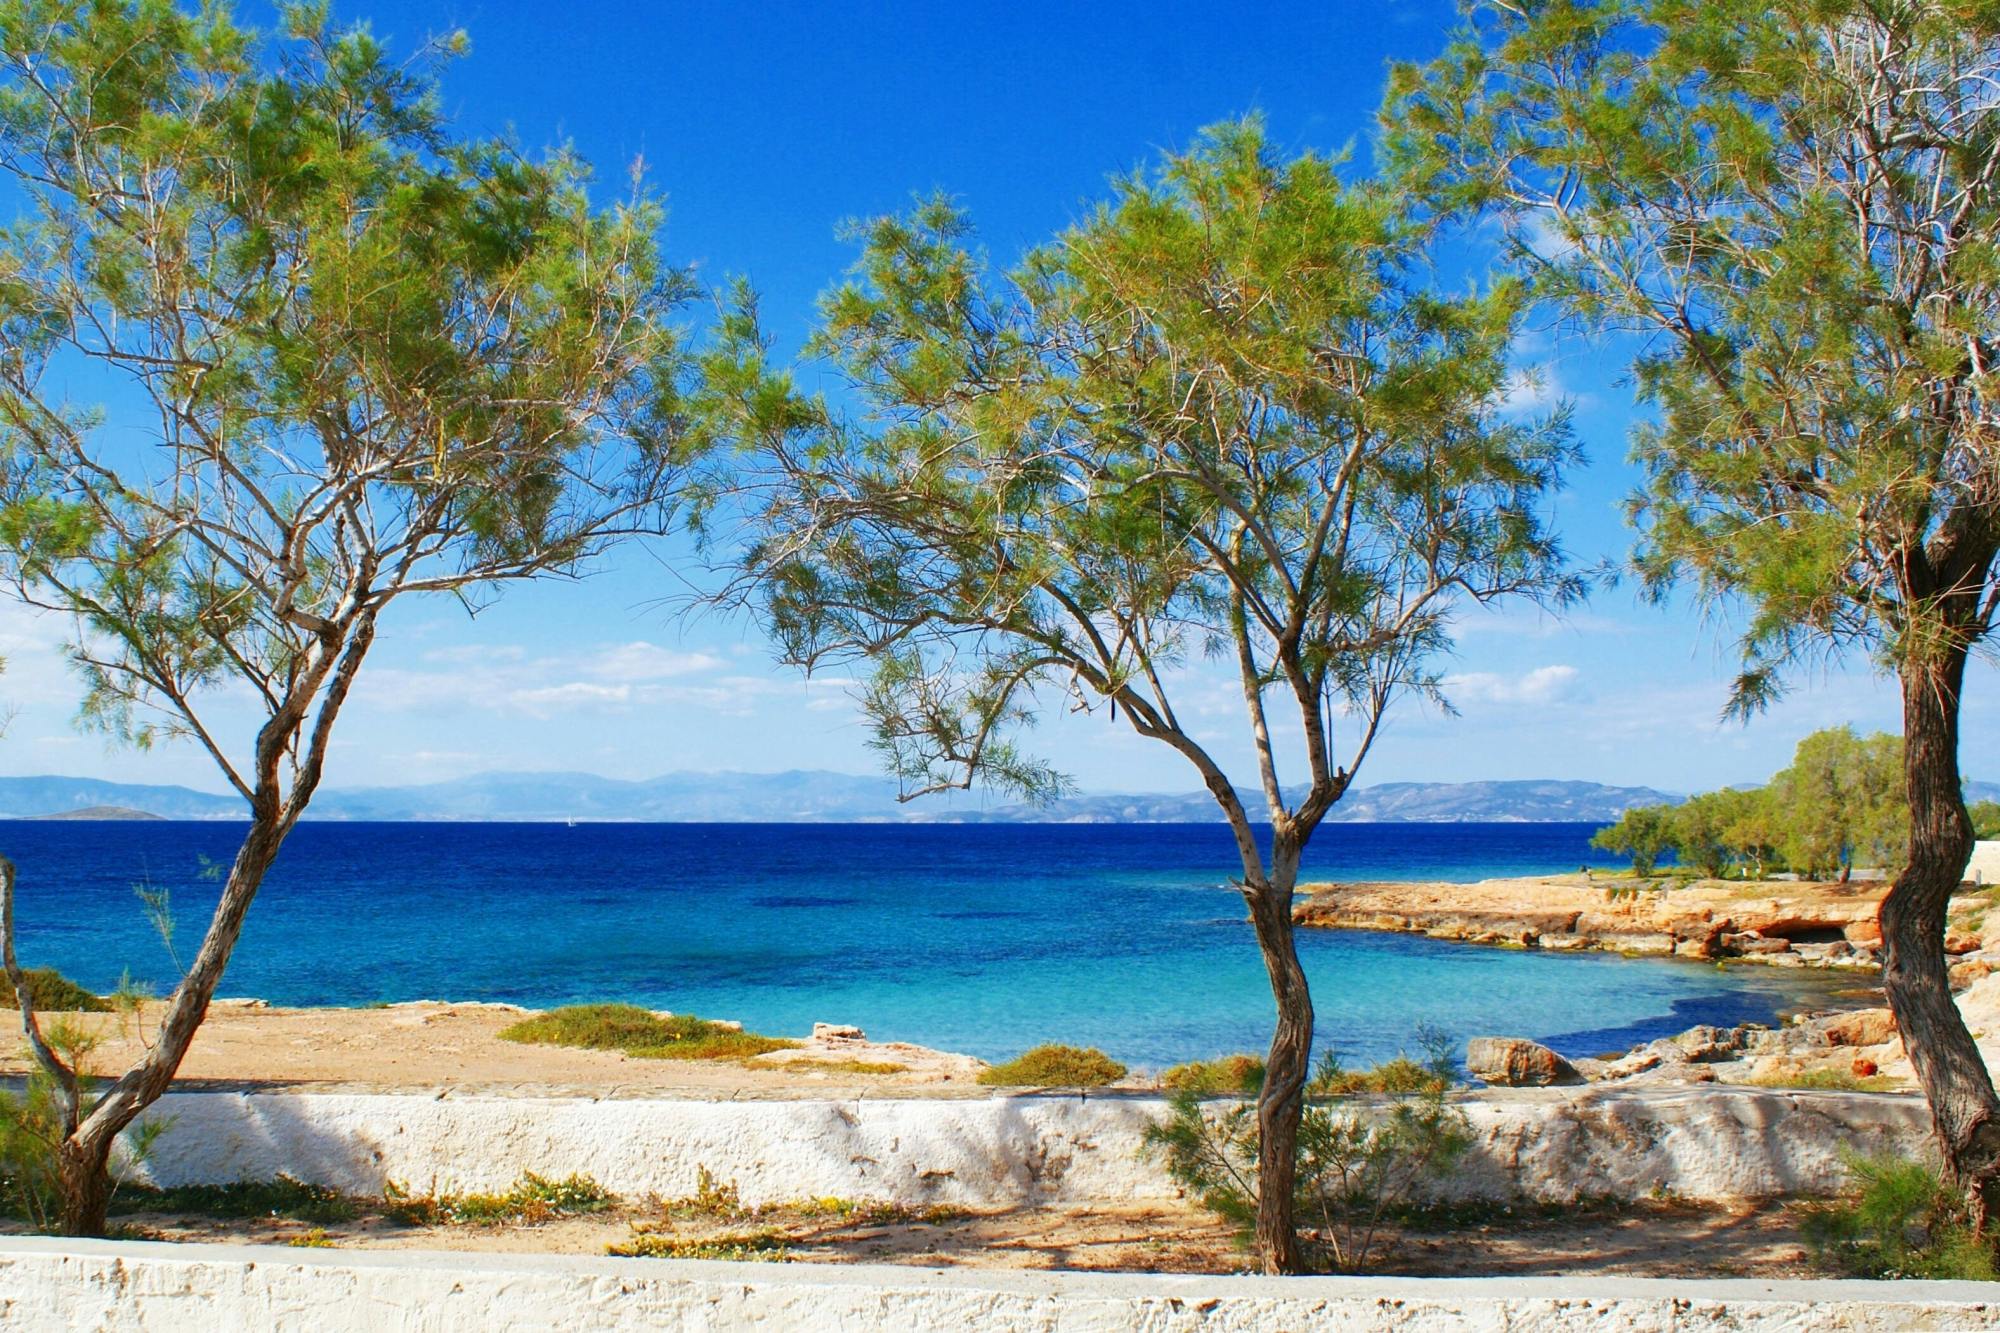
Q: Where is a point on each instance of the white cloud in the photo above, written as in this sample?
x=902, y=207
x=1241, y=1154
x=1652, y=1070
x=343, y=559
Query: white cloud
x=649, y=661
x=1543, y=685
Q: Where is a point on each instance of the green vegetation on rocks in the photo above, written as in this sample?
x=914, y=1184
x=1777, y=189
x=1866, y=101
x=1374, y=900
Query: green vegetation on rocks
x=1055, y=1066
x=641, y=1033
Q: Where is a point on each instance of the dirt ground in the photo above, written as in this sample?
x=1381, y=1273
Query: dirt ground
x=1636, y=1240
x=428, y=1046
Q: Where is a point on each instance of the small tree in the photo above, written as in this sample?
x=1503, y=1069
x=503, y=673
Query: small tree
x=1698, y=827
x=1220, y=416
x=1842, y=799
x=1642, y=833
x=355, y=359
x=1796, y=205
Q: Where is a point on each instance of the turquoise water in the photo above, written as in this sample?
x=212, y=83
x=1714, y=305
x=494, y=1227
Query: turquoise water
x=978, y=938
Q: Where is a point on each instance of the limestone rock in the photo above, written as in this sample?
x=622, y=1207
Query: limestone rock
x=837, y=1032
x=1516, y=1062
x=1859, y=1027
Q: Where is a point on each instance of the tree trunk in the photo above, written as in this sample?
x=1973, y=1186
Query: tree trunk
x=83, y=1185
x=83, y=1177
x=1964, y=1110
x=1282, y=1100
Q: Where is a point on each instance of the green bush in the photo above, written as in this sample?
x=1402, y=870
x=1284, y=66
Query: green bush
x=1055, y=1066
x=52, y=992
x=1899, y=1219
x=1359, y=1169
x=641, y=1033
x=1232, y=1075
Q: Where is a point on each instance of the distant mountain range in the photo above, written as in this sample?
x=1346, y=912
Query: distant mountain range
x=814, y=797
x=796, y=797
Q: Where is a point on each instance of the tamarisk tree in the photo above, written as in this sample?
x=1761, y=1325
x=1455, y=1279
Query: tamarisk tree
x=1220, y=417
x=1794, y=205
x=350, y=358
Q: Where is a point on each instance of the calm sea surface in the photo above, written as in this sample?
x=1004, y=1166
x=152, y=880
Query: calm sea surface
x=976, y=938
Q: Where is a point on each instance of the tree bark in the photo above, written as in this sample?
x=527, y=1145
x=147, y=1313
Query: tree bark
x=1964, y=1109
x=1282, y=1099
x=83, y=1185
x=83, y=1178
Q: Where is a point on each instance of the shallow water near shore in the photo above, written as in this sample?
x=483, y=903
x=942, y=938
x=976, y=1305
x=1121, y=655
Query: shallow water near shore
x=977, y=938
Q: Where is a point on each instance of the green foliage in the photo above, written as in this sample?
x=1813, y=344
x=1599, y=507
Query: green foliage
x=1840, y=799
x=530, y=1201
x=640, y=1033
x=282, y=1197
x=1985, y=817
x=1359, y=1167
x=35, y=1122
x=1899, y=1220
x=1055, y=1066
x=1232, y=1075
x=1642, y=833
x=1684, y=169
x=52, y=992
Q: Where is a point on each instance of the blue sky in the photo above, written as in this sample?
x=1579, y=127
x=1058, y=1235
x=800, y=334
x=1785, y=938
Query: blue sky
x=766, y=125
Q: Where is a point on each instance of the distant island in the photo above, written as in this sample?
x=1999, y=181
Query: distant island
x=100, y=812
x=815, y=797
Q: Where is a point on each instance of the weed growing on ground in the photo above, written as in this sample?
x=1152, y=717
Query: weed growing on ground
x=530, y=1201
x=315, y=1239
x=1827, y=1080
x=641, y=1033
x=1899, y=1219
x=1232, y=1075
x=720, y=1200
x=832, y=1066
x=1055, y=1066
x=767, y=1245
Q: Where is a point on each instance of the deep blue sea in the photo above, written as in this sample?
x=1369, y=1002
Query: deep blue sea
x=977, y=938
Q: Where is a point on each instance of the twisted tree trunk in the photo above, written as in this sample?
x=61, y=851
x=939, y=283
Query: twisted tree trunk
x=1281, y=1101
x=83, y=1159
x=1964, y=1109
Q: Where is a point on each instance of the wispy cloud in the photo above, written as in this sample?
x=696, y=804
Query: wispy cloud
x=1542, y=685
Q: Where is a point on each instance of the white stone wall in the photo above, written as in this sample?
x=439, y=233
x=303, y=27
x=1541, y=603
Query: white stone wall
x=1698, y=1143
x=48, y=1285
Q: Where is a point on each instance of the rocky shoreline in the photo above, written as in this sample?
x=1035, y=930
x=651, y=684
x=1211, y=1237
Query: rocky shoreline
x=1780, y=924
x=1777, y=923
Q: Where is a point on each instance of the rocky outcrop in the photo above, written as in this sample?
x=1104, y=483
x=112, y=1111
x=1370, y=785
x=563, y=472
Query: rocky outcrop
x=1783, y=924
x=1515, y=1062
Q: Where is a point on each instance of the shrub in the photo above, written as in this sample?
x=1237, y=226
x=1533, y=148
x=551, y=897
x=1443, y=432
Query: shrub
x=32, y=1127
x=1358, y=1168
x=1055, y=1066
x=52, y=992
x=530, y=1201
x=282, y=1197
x=1232, y=1075
x=641, y=1033
x=1899, y=1219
